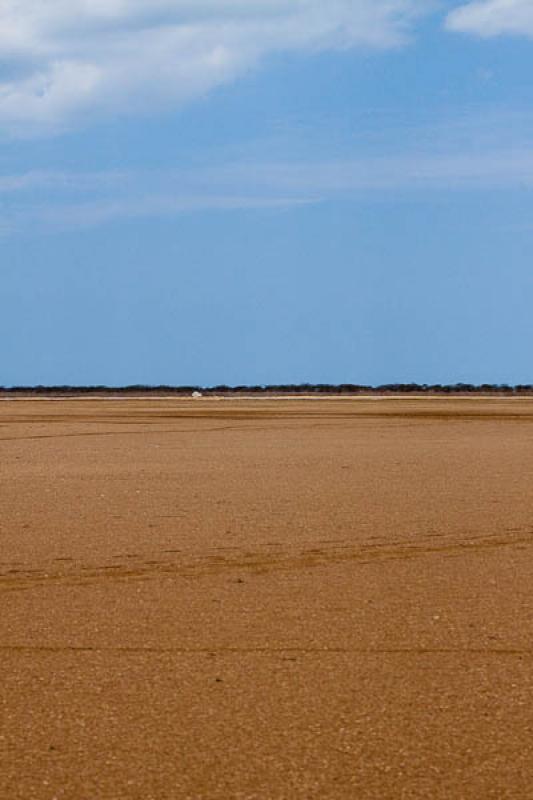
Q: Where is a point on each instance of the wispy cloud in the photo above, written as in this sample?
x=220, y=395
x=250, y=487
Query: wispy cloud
x=54, y=201
x=403, y=173
x=64, y=181
x=493, y=18
x=63, y=60
x=98, y=212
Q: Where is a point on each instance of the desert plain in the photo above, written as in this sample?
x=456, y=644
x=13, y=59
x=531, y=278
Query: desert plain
x=274, y=599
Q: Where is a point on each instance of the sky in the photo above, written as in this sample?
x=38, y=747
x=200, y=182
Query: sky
x=266, y=191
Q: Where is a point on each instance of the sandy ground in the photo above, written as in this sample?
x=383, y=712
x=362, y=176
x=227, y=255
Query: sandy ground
x=266, y=599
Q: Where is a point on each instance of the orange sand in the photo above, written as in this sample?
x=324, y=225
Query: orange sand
x=266, y=599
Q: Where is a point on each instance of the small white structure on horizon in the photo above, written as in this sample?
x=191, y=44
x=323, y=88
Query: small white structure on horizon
x=196, y=395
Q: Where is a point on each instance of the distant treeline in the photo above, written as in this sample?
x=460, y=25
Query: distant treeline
x=284, y=388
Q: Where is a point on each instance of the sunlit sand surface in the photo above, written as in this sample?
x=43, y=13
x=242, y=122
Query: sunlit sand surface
x=266, y=599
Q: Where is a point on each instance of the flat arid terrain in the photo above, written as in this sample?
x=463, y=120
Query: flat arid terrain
x=270, y=599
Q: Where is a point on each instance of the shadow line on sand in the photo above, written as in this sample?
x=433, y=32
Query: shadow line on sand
x=217, y=650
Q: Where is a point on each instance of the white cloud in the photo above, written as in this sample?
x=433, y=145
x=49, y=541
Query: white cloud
x=62, y=59
x=493, y=18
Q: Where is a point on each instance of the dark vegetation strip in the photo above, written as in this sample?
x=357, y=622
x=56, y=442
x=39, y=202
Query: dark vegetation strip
x=289, y=389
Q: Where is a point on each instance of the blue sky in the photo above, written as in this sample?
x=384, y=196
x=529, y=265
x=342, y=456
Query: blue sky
x=222, y=191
